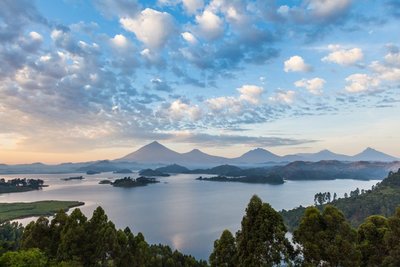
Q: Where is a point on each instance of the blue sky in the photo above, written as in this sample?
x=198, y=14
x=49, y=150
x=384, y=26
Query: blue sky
x=83, y=80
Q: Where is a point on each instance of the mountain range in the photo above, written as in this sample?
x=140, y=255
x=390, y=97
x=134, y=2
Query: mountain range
x=156, y=153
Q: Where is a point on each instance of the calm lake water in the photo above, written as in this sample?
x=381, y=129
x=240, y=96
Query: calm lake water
x=180, y=211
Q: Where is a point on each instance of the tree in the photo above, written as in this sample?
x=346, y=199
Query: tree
x=224, y=253
x=371, y=240
x=10, y=236
x=24, y=258
x=261, y=240
x=327, y=239
x=392, y=240
x=37, y=235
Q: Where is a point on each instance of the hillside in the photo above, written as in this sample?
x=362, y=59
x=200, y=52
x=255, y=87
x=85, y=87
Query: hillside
x=382, y=199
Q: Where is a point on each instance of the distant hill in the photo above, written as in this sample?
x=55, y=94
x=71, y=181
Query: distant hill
x=382, y=199
x=173, y=168
x=99, y=166
x=258, y=155
x=156, y=153
x=370, y=154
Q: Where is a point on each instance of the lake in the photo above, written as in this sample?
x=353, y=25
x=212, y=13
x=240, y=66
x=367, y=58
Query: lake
x=180, y=211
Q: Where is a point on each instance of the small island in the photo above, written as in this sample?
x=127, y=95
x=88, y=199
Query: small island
x=150, y=172
x=105, y=182
x=20, y=210
x=92, y=172
x=130, y=182
x=123, y=171
x=252, y=179
x=20, y=185
x=73, y=178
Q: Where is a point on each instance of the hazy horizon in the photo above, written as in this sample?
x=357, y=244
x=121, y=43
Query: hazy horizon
x=91, y=80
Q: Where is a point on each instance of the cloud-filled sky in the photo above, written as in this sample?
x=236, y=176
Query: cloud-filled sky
x=86, y=80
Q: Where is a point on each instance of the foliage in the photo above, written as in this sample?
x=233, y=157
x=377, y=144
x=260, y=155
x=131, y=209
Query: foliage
x=74, y=239
x=129, y=182
x=224, y=253
x=10, y=235
x=258, y=179
x=327, y=239
x=12, y=211
x=20, y=185
x=382, y=199
x=24, y=258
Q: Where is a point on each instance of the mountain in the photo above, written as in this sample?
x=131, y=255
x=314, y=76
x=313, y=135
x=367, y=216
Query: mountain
x=370, y=154
x=323, y=155
x=173, y=168
x=153, y=153
x=258, y=155
x=198, y=156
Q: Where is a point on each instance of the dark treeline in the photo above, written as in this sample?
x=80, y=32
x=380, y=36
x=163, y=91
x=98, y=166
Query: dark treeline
x=74, y=240
x=20, y=185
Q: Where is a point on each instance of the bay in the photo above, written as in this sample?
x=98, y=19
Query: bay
x=179, y=211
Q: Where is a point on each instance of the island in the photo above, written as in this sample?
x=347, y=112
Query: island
x=252, y=179
x=20, y=210
x=150, y=172
x=20, y=185
x=130, y=182
x=123, y=171
x=73, y=178
x=105, y=182
x=91, y=172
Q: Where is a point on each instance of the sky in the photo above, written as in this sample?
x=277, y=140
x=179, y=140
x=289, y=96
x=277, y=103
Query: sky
x=89, y=80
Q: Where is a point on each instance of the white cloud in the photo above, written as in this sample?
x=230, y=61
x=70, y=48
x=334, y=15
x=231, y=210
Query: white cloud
x=179, y=110
x=192, y=6
x=314, y=86
x=190, y=38
x=361, y=83
x=385, y=71
x=250, y=93
x=36, y=36
x=120, y=42
x=283, y=97
x=211, y=26
x=296, y=63
x=344, y=56
x=327, y=8
x=151, y=27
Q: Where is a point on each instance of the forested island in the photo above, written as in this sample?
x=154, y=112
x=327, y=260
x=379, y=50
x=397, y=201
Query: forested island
x=130, y=182
x=20, y=185
x=150, y=172
x=252, y=179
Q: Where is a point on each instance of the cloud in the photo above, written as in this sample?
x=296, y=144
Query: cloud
x=210, y=25
x=361, y=83
x=192, y=6
x=160, y=85
x=327, y=9
x=250, y=93
x=120, y=41
x=345, y=57
x=314, y=86
x=223, y=140
x=151, y=27
x=190, y=38
x=283, y=97
x=179, y=110
x=295, y=64
x=119, y=8
x=389, y=69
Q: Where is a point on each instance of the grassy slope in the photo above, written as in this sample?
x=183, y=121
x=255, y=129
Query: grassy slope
x=19, y=210
x=383, y=199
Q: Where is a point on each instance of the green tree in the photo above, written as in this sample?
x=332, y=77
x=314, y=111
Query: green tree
x=10, y=236
x=37, y=235
x=24, y=258
x=392, y=240
x=224, y=253
x=327, y=239
x=371, y=240
x=261, y=240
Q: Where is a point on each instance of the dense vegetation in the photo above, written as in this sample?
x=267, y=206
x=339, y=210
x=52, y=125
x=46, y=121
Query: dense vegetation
x=129, y=182
x=382, y=199
x=73, y=240
x=12, y=211
x=150, y=172
x=253, y=179
x=20, y=185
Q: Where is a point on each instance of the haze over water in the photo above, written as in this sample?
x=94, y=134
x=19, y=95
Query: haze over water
x=180, y=211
